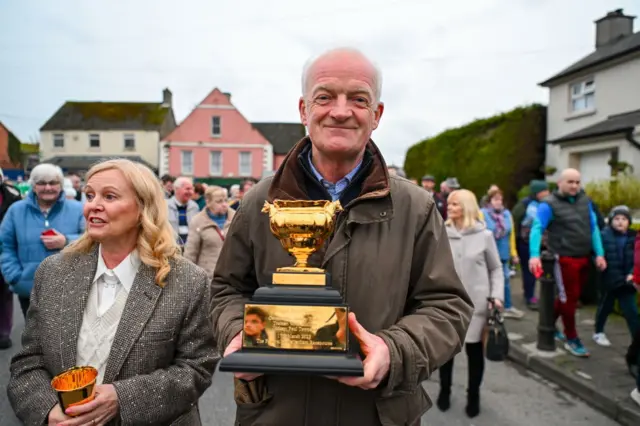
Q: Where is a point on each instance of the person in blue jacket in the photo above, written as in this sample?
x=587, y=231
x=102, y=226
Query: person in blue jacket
x=573, y=235
x=36, y=227
x=617, y=280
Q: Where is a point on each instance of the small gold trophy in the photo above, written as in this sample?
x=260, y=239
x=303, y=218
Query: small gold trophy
x=75, y=386
x=298, y=323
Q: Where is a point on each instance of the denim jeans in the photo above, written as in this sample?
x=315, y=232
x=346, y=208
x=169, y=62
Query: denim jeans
x=528, y=280
x=507, y=284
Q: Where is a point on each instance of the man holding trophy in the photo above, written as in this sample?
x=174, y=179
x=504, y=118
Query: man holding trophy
x=371, y=306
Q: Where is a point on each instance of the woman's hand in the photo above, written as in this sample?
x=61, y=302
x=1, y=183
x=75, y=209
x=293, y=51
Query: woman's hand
x=515, y=260
x=497, y=303
x=56, y=416
x=97, y=412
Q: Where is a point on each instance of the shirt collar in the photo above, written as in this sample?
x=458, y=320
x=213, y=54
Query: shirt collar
x=345, y=180
x=125, y=272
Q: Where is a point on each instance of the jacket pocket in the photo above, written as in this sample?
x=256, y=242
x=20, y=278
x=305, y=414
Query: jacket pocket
x=251, y=399
x=156, y=336
x=403, y=410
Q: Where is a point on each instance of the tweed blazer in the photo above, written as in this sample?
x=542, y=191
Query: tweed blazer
x=162, y=358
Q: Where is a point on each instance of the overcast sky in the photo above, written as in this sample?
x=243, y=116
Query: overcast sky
x=444, y=63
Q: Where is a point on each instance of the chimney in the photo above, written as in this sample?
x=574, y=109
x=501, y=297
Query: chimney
x=613, y=27
x=167, y=97
x=228, y=95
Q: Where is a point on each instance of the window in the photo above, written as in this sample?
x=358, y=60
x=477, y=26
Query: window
x=583, y=95
x=94, y=140
x=215, y=163
x=186, y=162
x=129, y=142
x=244, y=168
x=216, y=126
x=58, y=140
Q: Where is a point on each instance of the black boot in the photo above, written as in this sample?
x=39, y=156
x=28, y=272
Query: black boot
x=473, y=403
x=444, y=399
x=446, y=378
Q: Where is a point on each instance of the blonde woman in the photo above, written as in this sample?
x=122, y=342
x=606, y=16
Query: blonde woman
x=122, y=300
x=478, y=264
x=207, y=230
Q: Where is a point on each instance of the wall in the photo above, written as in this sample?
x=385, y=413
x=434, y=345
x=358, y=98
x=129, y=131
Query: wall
x=277, y=160
x=111, y=144
x=571, y=154
x=230, y=159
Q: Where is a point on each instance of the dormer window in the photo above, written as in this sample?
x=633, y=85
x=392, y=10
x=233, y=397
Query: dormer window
x=216, y=126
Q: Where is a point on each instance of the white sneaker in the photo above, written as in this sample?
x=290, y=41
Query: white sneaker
x=601, y=339
x=635, y=395
x=513, y=312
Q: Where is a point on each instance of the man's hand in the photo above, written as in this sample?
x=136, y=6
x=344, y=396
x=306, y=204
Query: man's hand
x=98, y=412
x=515, y=260
x=236, y=345
x=54, y=242
x=535, y=265
x=601, y=264
x=377, y=357
x=56, y=416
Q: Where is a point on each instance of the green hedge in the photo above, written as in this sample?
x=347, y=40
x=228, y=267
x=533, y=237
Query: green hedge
x=507, y=149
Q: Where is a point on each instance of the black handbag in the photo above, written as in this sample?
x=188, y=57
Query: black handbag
x=496, y=340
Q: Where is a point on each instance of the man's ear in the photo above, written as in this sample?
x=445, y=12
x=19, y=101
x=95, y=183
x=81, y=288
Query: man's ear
x=377, y=114
x=302, y=107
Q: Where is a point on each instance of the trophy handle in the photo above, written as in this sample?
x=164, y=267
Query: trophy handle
x=268, y=208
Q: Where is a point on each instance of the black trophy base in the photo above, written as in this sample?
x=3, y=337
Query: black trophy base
x=311, y=295
x=296, y=363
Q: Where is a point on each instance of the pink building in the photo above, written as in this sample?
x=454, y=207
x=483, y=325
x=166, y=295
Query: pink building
x=217, y=143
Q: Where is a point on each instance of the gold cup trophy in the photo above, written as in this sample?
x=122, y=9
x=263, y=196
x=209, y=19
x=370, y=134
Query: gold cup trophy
x=75, y=386
x=298, y=323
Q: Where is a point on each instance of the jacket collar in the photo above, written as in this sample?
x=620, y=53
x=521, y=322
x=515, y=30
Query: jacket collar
x=289, y=181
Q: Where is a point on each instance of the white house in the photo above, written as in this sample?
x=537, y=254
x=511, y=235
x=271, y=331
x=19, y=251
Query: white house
x=80, y=134
x=593, y=118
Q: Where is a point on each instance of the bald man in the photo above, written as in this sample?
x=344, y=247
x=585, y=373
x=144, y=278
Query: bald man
x=573, y=234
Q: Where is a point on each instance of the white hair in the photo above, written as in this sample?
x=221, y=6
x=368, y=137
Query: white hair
x=70, y=192
x=181, y=181
x=46, y=172
x=377, y=77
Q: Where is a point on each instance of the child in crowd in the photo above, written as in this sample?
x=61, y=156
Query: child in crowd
x=617, y=280
x=633, y=354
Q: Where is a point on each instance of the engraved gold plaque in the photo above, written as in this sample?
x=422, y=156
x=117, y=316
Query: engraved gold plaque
x=306, y=328
x=75, y=386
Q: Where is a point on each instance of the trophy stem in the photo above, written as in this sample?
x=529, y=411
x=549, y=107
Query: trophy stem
x=302, y=260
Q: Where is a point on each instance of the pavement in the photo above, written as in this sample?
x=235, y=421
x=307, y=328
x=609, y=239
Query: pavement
x=602, y=380
x=511, y=395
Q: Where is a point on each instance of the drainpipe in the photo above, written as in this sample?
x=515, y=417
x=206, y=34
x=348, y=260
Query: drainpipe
x=629, y=136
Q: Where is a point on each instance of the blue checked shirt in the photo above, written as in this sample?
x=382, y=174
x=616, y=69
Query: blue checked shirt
x=335, y=189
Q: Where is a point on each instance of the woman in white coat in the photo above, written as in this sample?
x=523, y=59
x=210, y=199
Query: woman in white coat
x=478, y=264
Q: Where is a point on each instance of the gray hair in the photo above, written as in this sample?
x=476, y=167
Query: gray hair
x=377, y=77
x=70, y=192
x=181, y=181
x=46, y=172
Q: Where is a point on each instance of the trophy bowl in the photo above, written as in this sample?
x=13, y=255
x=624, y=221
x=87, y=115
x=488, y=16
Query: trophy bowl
x=302, y=226
x=75, y=386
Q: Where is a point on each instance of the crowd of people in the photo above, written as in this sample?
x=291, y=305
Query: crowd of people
x=145, y=278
